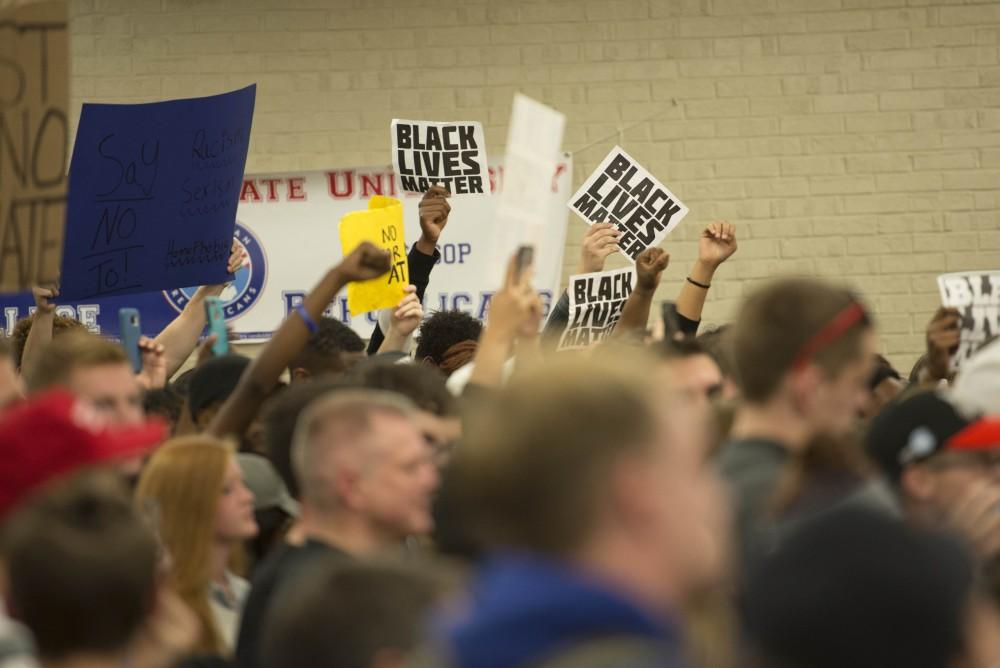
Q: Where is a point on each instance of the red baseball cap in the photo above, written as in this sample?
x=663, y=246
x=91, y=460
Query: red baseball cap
x=983, y=434
x=54, y=434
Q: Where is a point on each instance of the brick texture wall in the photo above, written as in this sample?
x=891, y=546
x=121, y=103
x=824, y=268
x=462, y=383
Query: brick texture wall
x=854, y=139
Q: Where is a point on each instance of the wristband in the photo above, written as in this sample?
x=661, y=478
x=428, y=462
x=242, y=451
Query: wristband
x=695, y=283
x=307, y=319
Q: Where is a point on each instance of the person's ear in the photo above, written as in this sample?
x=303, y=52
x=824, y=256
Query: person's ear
x=633, y=498
x=917, y=482
x=298, y=373
x=802, y=385
x=347, y=488
x=428, y=360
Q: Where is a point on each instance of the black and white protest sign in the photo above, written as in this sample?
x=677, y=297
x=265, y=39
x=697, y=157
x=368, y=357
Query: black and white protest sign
x=595, y=305
x=452, y=155
x=976, y=294
x=621, y=192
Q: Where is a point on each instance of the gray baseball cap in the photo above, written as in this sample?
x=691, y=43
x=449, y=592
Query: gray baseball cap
x=268, y=489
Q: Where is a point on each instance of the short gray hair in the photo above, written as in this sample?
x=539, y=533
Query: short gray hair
x=351, y=412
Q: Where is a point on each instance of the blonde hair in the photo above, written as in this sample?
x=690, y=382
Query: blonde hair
x=69, y=352
x=182, y=484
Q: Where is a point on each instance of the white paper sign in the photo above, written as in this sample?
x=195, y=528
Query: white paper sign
x=450, y=154
x=534, y=138
x=622, y=192
x=976, y=294
x=595, y=306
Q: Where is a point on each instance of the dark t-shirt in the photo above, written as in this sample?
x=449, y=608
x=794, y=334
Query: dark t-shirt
x=752, y=467
x=275, y=575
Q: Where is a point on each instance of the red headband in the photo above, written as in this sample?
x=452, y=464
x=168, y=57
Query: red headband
x=836, y=328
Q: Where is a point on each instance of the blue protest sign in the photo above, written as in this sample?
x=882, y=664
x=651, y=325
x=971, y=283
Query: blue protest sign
x=153, y=190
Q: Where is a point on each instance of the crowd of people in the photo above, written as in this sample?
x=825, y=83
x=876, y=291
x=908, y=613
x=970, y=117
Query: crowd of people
x=771, y=493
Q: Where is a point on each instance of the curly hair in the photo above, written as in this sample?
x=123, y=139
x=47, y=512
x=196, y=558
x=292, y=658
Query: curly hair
x=443, y=330
x=322, y=353
x=60, y=325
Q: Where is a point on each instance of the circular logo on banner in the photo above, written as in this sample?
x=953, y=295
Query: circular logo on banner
x=247, y=285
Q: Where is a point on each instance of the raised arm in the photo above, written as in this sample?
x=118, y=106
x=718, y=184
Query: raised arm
x=649, y=267
x=180, y=337
x=406, y=317
x=434, y=211
x=260, y=378
x=717, y=244
x=40, y=333
x=514, y=317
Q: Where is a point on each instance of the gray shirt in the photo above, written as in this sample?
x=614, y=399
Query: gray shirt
x=752, y=468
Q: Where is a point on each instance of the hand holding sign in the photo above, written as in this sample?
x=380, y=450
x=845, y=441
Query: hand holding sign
x=944, y=334
x=434, y=211
x=408, y=315
x=43, y=298
x=600, y=241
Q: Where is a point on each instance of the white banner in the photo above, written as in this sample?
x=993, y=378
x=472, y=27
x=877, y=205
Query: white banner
x=289, y=225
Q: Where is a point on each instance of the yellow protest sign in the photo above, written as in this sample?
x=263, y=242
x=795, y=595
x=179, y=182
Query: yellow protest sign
x=381, y=224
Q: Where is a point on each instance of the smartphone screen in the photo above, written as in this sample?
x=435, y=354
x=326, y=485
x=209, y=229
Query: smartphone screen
x=525, y=258
x=129, y=332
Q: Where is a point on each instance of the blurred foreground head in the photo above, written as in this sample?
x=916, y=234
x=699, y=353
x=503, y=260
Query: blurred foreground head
x=349, y=615
x=855, y=588
x=581, y=461
x=806, y=347
x=81, y=568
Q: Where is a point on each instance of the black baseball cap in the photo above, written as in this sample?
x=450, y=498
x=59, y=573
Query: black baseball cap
x=912, y=430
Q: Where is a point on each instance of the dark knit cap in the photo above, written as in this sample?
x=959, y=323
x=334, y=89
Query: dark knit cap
x=214, y=381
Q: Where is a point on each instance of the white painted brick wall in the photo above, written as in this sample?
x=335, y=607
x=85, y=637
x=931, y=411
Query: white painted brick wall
x=855, y=139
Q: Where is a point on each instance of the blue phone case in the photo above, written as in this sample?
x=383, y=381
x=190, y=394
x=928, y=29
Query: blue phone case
x=129, y=332
x=217, y=326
